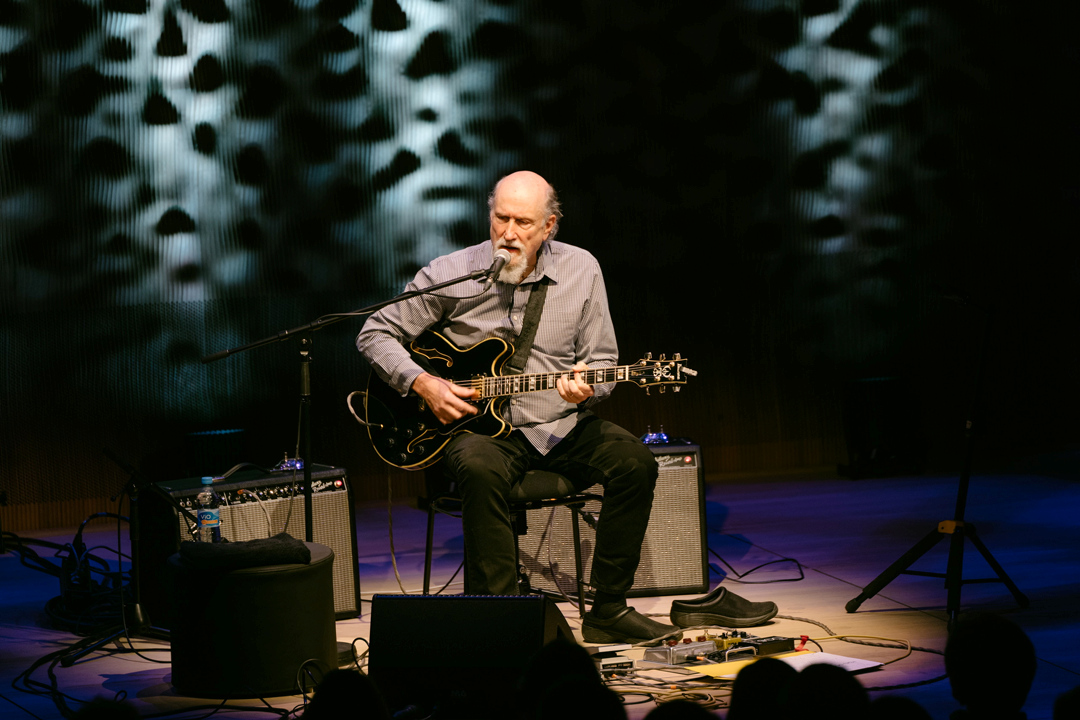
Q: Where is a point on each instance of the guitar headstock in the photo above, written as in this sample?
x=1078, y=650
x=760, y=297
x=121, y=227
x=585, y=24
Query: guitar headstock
x=648, y=372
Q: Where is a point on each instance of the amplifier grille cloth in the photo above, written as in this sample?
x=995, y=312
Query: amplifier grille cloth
x=330, y=510
x=672, y=556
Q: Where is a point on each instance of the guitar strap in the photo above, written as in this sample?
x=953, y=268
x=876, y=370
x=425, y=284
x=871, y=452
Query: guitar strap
x=516, y=364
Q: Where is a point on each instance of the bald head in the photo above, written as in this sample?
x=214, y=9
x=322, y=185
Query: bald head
x=524, y=212
x=524, y=181
x=527, y=185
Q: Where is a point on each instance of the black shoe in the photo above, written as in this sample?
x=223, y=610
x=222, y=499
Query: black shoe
x=629, y=626
x=723, y=608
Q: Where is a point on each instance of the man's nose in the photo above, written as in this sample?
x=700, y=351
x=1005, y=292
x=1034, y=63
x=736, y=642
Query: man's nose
x=510, y=232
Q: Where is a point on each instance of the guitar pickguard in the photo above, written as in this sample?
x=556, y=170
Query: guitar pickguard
x=404, y=432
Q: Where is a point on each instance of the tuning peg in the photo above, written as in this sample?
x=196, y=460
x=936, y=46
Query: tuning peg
x=663, y=357
x=678, y=356
x=676, y=388
x=662, y=388
x=648, y=356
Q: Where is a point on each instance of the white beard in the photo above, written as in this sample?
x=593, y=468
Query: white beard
x=515, y=272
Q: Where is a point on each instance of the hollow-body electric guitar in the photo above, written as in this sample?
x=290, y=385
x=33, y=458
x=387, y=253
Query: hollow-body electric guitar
x=406, y=434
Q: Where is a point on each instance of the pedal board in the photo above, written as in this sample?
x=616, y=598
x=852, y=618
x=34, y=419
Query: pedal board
x=725, y=647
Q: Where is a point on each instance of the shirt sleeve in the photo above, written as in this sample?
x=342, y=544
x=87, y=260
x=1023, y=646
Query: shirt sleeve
x=597, y=346
x=383, y=339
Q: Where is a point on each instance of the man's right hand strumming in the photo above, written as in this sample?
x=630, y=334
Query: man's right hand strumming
x=445, y=399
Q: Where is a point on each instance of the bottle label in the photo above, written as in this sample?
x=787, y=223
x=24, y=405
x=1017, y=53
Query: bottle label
x=209, y=517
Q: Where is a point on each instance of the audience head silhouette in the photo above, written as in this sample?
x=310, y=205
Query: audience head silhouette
x=760, y=690
x=828, y=692
x=1067, y=705
x=346, y=695
x=991, y=665
x=561, y=682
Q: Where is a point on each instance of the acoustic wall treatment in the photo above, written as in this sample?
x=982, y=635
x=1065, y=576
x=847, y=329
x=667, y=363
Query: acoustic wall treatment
x=798, y=194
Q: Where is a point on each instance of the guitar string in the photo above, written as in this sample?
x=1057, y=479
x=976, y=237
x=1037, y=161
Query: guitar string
x=498, y=385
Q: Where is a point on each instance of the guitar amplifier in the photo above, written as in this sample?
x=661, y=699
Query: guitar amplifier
x=674, y=555
x=270, y=504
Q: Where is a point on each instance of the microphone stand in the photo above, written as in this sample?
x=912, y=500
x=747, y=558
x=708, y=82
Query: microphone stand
x=958, y=529
x=304, y=333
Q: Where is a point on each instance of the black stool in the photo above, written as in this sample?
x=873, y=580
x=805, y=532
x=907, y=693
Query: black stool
x=245, y=633
x=537, y=489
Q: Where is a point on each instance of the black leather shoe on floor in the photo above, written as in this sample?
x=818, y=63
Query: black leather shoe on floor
x=629, y=626
x=721, y=607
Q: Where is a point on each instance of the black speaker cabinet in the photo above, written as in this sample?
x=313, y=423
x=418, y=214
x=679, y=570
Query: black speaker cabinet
x=674, y=556
x=463, y=651
x=158, y=527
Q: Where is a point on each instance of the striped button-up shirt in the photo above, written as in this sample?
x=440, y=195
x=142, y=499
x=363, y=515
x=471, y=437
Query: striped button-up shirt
x=575, y=326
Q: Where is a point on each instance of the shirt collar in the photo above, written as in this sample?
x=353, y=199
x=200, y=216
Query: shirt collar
x=545, y=265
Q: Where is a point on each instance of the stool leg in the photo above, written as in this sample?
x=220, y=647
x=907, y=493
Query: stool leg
x=521, y=527
x=577, y=561
x=428, y=548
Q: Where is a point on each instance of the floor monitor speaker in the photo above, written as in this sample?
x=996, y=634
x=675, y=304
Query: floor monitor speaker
x=463, y=652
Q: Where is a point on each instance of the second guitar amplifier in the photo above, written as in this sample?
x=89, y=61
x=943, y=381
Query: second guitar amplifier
x=674, y=555
x=256, y=505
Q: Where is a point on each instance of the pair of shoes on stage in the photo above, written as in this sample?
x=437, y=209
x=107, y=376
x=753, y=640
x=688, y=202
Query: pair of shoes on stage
x=723, y=608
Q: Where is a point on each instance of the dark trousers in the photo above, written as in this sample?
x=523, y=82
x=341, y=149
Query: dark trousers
x=595, y=452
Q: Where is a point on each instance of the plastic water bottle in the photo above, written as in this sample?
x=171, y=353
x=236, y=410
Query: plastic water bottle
x=209, y=512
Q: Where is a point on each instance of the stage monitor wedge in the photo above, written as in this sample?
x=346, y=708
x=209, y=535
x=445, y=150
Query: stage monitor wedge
x=463, y=652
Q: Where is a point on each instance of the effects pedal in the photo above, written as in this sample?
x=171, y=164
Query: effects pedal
x=752, y=647
x=681, y=653
x=610, y=662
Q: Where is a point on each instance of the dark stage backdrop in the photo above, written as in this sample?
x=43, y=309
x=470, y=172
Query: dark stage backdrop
x=817, y=202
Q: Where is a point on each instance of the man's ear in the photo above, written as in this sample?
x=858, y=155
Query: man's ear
x=548, y=226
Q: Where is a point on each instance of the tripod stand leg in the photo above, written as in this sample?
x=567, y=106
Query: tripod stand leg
x=954, y=573
x=110, y=636
x=136, y=626
x=1021, y=598
x=906, y=560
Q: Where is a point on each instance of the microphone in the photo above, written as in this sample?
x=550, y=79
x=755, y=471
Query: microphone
x=501, y=258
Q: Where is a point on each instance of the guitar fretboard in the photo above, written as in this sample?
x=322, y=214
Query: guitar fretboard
x=501, y=385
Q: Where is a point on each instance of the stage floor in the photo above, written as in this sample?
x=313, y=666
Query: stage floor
x=842, y=532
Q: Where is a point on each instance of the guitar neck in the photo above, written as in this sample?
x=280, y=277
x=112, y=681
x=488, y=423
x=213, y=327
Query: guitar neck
x=503, y=385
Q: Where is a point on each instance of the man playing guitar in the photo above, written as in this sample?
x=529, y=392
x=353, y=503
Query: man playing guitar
x=553, y=431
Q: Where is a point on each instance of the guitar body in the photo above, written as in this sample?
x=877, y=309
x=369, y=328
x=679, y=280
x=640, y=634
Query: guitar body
x=404, y=432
